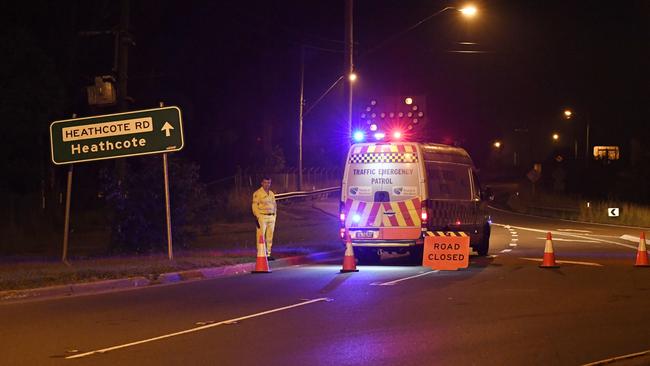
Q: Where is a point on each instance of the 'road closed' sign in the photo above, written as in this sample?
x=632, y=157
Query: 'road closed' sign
x=446, y=251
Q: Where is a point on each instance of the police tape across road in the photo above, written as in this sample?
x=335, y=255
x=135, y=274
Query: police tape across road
x=290, y=195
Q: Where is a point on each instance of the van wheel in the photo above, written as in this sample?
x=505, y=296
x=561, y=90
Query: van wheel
x=367, y=255
x=484, y=243
x=416, y=253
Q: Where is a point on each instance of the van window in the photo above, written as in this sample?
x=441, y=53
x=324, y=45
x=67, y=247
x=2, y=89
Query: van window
x=448, y=181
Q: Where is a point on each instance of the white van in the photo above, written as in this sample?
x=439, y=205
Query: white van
x=393, y=193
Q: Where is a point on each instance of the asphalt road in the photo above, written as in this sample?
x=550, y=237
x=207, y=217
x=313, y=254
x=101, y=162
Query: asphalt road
x=502, y=310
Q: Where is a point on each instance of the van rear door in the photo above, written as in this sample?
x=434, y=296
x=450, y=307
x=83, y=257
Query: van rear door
x=383, y=197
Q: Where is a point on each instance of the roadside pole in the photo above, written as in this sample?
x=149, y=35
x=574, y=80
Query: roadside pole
x=66, y=225
x=170, y=251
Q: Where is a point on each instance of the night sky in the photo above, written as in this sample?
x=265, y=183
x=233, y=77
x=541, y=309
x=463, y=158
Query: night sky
x=233, y=68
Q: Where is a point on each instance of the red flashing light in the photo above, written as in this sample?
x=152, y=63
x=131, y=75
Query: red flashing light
x=342, y=216
x=458, y=222
x=424, y=216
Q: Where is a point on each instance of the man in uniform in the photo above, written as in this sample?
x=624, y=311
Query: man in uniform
x=264, y=209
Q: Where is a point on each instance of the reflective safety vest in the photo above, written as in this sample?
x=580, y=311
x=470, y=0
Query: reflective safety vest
x=263, y=203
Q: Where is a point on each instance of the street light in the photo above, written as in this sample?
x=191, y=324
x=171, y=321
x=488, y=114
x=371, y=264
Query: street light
x=555, y=137
x=497, y=144
x=468, y=11
x=568, y=114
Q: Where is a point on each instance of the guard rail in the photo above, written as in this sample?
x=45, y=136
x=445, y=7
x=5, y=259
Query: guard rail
x=289, y=195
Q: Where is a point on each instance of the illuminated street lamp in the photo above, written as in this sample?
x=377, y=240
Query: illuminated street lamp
x=568, y=114
x=497, y=144
x=468, y=11
x=352, y=77
x=555, y=137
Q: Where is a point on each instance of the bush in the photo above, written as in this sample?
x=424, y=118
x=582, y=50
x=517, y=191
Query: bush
x=138, y=204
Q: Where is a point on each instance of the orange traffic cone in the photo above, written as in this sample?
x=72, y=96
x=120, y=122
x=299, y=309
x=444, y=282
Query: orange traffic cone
x=549, y=257
x=349, y=263
x=642, y=253
x=262, y=263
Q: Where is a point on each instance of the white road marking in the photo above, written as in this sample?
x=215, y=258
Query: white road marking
x=514, y=239
x=573, y=240
x=618, y=358
x=575, y=231
x=572, y=236
x=513, y=244
x=632, y=238
x=191, y=330
x=390, y=283
x=506, y=250
x=507, y=226
x=568, y=262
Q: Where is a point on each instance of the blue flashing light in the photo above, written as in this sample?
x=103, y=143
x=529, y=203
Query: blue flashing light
x=379, y=135
x=356, y=218
x=358, y=136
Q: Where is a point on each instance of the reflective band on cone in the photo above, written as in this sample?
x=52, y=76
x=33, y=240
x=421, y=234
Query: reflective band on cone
x=549, y=257
x=262, y=262
x=642, y=253
x=349, y=263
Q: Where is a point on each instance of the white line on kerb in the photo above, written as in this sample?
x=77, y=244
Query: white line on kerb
x=203, y=327
x=390, y=283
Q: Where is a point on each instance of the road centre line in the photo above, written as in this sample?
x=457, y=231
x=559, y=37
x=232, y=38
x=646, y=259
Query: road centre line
x=572, y=236
x=390, y=283
x=567, y=262
x=575, y=231
x=572, y=240
x=203, y=327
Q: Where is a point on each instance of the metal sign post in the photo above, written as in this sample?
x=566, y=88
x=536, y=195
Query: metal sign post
x=170, y=252
x=66, y=225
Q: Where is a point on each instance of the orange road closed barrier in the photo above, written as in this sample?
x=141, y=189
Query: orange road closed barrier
x=446, y=251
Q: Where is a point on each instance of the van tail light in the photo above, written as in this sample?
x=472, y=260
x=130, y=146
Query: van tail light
x=342, y=213
x=342, y=233
x=342, y=216
x=424, y=214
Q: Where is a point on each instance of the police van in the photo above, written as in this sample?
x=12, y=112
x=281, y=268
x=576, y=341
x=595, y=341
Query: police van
x=392, y=193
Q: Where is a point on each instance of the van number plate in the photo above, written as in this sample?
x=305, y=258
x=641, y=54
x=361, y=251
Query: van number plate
x=365, y=234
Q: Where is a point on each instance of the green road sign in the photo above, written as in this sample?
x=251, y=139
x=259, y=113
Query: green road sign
x=111, y=136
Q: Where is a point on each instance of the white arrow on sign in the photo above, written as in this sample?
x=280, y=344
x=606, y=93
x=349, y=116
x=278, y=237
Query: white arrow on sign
x=167, y=127
x=612, y=212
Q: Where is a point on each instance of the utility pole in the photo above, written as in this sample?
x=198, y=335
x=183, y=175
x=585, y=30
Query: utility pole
x=123, y=42
x=348, y=63
x=300, y=113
